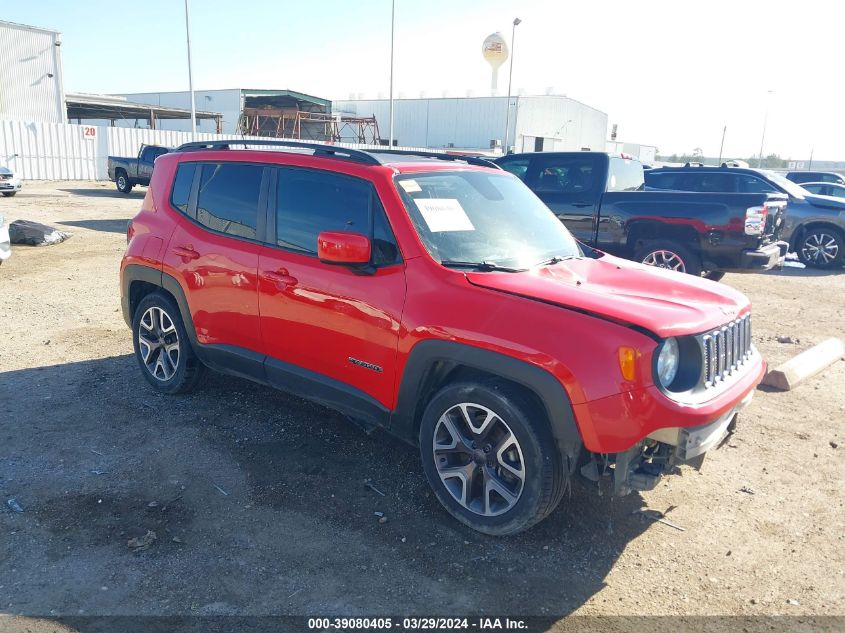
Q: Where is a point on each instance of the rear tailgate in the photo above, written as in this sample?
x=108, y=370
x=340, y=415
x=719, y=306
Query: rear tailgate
x=776, y=206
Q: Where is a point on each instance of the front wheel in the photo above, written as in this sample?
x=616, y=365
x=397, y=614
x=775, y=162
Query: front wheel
x=123, y=183
x=489, y=455
x=821, y=248
x=669, y=255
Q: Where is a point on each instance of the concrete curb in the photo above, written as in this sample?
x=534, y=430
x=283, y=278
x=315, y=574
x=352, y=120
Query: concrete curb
x=806, y=365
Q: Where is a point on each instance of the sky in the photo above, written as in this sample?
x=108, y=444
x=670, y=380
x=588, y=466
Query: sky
x=668, y=73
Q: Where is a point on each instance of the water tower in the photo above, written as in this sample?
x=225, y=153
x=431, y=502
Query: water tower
x=495, y=51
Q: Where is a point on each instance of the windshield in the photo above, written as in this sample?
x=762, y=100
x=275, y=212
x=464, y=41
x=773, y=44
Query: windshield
x=483, y=217
x=787, y=185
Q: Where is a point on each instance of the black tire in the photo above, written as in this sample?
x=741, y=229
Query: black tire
x=121, y=180
x=10, y=194
x=543, y=476
x=713, y=275
x=651, y=251
x=821, y=247
x=172, y=376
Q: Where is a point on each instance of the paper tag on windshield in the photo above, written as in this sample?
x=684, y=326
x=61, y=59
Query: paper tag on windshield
x=444, y=214
x=411, y=186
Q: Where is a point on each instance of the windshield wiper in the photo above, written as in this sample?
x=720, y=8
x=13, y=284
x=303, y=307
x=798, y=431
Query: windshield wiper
x=555, y=260
x=481, y=266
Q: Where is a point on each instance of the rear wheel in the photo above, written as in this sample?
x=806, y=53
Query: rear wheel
x=122, y=182
x=821, y=247
x=489, y=455
x=162, y=347
x=669, y=255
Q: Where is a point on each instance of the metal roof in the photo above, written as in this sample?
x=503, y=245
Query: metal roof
x=94, y=106
x=300, y=96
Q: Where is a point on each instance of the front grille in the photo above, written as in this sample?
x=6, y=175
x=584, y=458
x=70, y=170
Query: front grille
x=725, y=350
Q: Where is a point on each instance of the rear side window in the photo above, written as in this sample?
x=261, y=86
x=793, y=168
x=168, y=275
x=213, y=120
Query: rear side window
x=625, y=175
x=706, y=182
x=182, y=186
x=660, y=180
x=228, y=198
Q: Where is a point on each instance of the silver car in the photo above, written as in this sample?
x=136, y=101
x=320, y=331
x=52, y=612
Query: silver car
x=5, y=242
x=9, y=183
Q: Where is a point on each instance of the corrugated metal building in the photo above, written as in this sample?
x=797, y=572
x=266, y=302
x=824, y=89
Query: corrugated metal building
x=537, y=123
x=31, y=83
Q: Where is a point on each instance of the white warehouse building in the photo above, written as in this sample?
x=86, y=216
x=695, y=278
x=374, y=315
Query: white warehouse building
x=537, y=123
x=31, y=87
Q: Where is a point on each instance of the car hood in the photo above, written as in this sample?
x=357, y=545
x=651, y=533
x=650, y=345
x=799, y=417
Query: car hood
x=823, y=201
x=663, y=302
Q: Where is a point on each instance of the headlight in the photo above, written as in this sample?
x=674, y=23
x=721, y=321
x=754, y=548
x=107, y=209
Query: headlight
x=668, y=361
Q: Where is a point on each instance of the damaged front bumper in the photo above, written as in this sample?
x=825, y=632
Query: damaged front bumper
x=641, y=467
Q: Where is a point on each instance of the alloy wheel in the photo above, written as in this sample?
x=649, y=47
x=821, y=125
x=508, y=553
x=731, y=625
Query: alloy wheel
x=121, y=183
x=478, y=459
x=821, y=248
x=158, y=342
x=665, y=259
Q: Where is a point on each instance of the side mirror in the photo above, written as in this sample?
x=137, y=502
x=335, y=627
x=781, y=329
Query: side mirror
x=336, y=247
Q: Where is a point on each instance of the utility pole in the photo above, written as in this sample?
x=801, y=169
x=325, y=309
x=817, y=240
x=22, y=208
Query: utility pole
x=516, y=22
x=765, y=121
x=190, y=76
x=722, y=146
x=392, y=25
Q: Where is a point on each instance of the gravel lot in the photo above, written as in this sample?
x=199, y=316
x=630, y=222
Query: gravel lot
x=258, y=500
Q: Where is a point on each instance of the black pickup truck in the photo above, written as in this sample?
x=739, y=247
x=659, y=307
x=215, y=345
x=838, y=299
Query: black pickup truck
x=601, y=199
x=128, y=172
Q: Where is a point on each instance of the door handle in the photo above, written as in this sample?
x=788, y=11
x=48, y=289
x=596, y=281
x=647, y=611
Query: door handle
x=280, y=278
x=581, y=205
x=187, y=253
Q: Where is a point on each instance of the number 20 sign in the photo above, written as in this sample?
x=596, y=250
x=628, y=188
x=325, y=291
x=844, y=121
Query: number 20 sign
x=89, y=132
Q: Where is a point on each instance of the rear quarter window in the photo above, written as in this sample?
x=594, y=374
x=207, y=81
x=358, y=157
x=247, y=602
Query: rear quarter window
x=181, y=192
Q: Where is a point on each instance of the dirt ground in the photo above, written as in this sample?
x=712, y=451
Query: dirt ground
x=258, y=499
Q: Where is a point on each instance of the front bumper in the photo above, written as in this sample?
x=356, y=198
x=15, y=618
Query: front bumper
x=763, y=258
x=10, y=184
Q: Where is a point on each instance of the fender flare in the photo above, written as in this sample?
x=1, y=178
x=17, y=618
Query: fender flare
x=137, y=272
x=427, y=354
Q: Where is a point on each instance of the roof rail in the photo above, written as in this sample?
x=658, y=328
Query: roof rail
x=469, y=160
x=319, y=149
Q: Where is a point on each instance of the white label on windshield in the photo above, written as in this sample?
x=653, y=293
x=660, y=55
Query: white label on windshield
x=444, y=214
x=411, y=186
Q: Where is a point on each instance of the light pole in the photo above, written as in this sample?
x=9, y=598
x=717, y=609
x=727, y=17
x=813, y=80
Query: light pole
x=722, y=146
x=765, y=121
x=190, y=76
x=516, y=22
x=392, y=23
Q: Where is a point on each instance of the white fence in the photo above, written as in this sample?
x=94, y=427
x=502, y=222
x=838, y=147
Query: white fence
x=56, y=151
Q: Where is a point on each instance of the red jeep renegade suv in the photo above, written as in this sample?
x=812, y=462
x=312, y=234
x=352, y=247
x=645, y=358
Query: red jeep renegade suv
x=437, y=297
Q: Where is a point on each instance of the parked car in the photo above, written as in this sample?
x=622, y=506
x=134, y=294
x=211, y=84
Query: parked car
x=801, y=177
x=9, y=183
x=814, y=225
x=600, y=199
x=128, y=172
x=825, y=189
x=5, y=241
x=438, y=298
